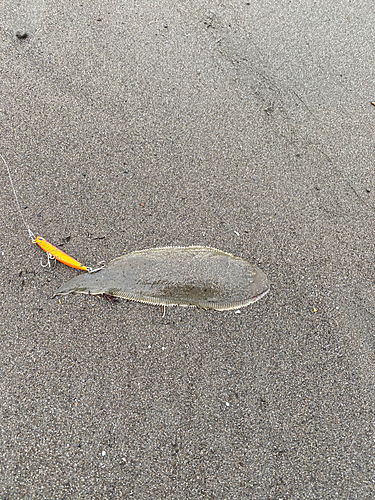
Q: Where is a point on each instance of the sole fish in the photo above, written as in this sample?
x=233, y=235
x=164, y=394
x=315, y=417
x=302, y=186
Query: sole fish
x=176, y=276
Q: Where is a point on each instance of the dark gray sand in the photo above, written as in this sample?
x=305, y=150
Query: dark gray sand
x=244, y=126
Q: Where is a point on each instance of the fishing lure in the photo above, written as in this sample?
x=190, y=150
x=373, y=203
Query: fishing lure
x=53, y=252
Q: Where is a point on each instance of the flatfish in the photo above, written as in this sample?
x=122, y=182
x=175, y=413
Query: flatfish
x=176, y=276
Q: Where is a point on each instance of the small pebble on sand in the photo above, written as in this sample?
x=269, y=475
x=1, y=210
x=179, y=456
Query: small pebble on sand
x=21, y=34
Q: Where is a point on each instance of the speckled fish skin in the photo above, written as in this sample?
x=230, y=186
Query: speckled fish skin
x=179, y=276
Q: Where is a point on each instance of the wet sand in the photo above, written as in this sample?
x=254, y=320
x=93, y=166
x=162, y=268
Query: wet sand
x=248, y=128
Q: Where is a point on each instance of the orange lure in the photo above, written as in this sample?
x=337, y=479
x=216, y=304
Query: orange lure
x=56, y=253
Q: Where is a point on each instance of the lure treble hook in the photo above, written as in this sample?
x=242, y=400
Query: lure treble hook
x=50, y=258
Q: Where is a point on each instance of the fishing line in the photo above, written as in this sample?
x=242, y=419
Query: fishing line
x=31, y=234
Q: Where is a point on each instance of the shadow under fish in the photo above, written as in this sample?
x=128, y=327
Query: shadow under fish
x=176, y=276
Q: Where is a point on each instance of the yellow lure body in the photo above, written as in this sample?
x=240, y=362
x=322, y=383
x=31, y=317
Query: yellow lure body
x=58, y=254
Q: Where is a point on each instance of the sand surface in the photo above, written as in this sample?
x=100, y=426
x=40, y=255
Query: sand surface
x=244, y=126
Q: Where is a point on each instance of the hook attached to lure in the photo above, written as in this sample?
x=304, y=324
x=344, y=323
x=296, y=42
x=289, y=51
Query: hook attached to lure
x=53, y=252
